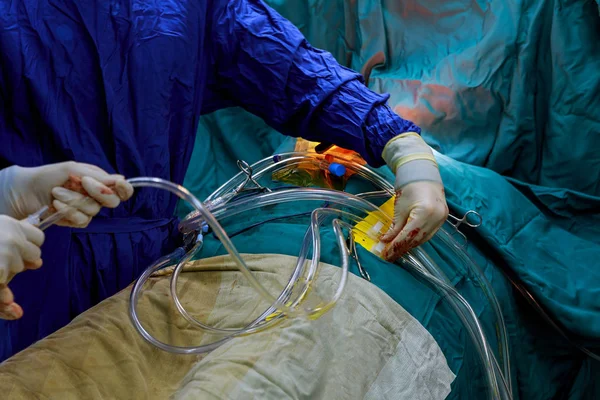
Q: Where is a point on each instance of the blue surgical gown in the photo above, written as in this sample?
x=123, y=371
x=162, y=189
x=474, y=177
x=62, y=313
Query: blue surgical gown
x=121, y=84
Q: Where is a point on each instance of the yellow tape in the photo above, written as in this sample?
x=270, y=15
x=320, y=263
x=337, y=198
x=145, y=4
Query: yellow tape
x=363, y=231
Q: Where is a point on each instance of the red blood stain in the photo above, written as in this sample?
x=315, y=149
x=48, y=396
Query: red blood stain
x=414, y=233
x=401, y=247
x=398, y=192
x=74, y=185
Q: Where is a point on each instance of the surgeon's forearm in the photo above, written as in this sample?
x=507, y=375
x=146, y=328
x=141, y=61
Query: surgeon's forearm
x=357, y=118
x=264, y=64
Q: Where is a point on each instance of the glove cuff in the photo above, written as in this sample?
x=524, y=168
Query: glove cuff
x=411, y=159
x=6, y=188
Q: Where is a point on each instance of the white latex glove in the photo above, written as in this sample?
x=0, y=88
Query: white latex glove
x=20, y=244
x=81, y=189
x=420, y=208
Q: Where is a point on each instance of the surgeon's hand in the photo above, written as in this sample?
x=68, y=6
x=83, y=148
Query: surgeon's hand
x=420, y=208
x=80, y=189
x=20, y=244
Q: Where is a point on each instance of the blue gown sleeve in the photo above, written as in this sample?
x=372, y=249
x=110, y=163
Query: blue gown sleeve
x=261, y=62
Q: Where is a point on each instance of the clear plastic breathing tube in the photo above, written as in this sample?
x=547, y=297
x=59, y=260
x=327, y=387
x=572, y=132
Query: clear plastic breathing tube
x=206, y=216
x=497, y=384
x=500, y=384
x=222, y=206
x=268, y=165
x=277, y=162
x=185, y=195
x=486, y=286
x=298, y=285
x=288, y=303
x=262, y=322
x=251, y=203
x=482, y=281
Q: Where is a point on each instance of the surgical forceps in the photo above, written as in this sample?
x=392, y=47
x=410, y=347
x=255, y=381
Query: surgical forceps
x=247, y=170
x=351, y=243
x=465, y=220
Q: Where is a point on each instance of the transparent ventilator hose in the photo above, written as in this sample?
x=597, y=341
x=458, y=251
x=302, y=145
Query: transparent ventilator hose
x=259, y=201
x=273, y=164
x=185, y=195
x=477, y=274
x=496, y=382
x=262, y=321
x=268, y=165
x=298, y=285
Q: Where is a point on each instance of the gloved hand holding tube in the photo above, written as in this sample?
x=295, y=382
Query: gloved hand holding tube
x=420, y=208
x=26, y=190
x=75, y=189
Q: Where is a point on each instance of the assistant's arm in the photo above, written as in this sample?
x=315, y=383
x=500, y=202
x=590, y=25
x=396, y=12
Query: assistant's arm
x=261, y=62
